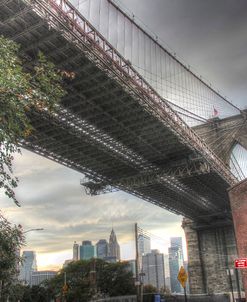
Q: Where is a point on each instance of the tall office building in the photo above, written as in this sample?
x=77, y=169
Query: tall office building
x=28, y=266
x=144, y=244
x=153, y=269
x=167, y=271
x=177, y=242
x=87, y=250
x=114, y=248
x=102, y=248
x=75, y=251
x=175, y=262
x=40, y=276
x=132, y=266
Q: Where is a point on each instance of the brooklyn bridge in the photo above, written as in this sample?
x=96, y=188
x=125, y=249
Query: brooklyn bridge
x=134, y=118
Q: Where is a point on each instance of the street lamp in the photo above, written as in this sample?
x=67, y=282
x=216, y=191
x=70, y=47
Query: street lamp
x=39, y=229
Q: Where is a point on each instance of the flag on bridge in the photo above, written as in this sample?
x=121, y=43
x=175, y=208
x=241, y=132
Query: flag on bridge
x=216, y=113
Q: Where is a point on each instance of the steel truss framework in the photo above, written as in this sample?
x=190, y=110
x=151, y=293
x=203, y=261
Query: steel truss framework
x=112, y=126
x=146, y=179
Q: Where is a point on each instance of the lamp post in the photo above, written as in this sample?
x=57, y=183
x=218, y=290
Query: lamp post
x=39, y=229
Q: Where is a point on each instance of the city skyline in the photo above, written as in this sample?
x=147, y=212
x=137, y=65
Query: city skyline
x=51, y=195
x=53, y=244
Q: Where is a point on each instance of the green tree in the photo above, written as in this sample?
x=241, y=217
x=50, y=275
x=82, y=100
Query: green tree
x=21, y=91
x=115, y=279
x=149, y=289
x=11, y=240
x=77, y=276
x=88, y=279
x=165, y=290
x=36, y=293
x=16, y=292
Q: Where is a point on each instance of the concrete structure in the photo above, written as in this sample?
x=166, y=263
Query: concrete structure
x=114, y=248
x=187, y=283
x=153, y=269
x=39, y=276
x=238, y=199
x=211, y=253
x=67, y=262
x=28, y=266
x=87, y=250
x=144, y=244
x=223, y=134
x=175, y=262
x=102, y=249
x=167, y=271
x=76, y=251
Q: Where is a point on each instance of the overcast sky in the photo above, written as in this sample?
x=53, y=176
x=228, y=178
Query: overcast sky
x=211, y=36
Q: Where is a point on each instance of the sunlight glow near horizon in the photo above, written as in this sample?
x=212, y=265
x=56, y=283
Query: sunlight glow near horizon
x=55, y=260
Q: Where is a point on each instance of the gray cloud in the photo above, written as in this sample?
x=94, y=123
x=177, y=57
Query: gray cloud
x=52, y=198
x=210, y=35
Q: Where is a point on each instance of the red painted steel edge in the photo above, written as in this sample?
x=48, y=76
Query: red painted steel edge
x=79, y=24
x=240, y=263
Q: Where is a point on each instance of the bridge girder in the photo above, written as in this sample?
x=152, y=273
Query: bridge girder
x=92, y=135
x=145, y=179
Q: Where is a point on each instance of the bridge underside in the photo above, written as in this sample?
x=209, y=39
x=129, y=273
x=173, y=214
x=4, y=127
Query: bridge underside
x=102, y=129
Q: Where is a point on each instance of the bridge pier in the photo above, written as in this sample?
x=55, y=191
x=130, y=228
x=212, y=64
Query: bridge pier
x=211, y=254
x=238, y=201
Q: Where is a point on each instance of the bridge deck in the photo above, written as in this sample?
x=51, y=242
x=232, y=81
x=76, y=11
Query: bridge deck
x=109, y=132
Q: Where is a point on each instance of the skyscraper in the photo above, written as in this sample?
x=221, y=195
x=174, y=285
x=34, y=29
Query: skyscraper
x=175, y=262
x=40, y=276
x=177, y=242
x=132, y=266
x=144, y=244
x=153, y=269
x=28, y=266
x=167, y=271
x=102, y=248
x=87, y=250
x=114, y=249
x=75, y=251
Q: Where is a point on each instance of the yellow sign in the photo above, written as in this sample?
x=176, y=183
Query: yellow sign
x=182, y=276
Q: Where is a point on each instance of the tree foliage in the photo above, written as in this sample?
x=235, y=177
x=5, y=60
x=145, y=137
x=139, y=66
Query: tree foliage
x=93, y=278
x=21, y=90
x=11, y=240
x=149, y=289
x=37, y=86
x=36, y=293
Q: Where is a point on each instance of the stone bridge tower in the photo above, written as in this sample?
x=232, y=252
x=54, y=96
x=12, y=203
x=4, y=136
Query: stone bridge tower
x=212, y=248
x=222, y=135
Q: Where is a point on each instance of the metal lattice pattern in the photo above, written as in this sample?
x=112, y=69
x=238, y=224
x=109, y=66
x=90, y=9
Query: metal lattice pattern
x=193, y=98
x=112, y=125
